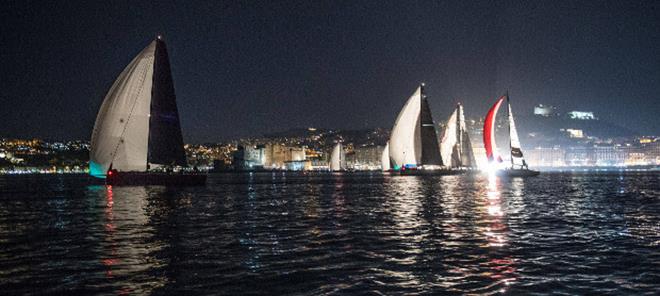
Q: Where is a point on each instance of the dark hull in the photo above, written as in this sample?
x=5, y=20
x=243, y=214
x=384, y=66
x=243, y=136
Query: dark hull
x=441, y=172
x=169, y=179
x=517, y=173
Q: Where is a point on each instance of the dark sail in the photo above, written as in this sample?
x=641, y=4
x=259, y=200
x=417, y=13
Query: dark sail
x=165, y=139
x=430, y=147
x=467, y=154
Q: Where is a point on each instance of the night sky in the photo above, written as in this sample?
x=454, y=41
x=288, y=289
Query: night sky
x=245, y=68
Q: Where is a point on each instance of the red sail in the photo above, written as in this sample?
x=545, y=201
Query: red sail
x=489, y=132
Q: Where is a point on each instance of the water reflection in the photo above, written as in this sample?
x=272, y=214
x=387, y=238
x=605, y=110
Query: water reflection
x=338, y=197
x=334, y=235
x=501, y=267
x=250, y=233
x=128, y=248
x=495, y=229
x=111, y=260
x=403, y=204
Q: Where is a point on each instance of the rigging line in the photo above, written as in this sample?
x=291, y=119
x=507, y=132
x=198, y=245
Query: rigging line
x=137, y=95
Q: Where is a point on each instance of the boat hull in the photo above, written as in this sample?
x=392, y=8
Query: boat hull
x=517, y=173
x=428, y=172
x=144, y=178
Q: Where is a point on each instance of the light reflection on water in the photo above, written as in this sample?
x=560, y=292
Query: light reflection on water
x=502, y=268
x=127, y=247
x=336, y=233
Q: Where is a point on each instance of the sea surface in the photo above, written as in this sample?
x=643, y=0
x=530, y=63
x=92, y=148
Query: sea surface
x=317, y=234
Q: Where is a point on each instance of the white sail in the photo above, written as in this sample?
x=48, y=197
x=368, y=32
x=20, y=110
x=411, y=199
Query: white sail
x=455, y=146
x=405, y=140
x=121, y=130
x=385, y=158
x=449, y=139
x=465, y=146
x=338, y=158
x=517, y=159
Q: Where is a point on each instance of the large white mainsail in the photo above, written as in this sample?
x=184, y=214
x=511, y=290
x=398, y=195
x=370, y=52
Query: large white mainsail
x=517, y=159
x=138, y=122
x=413, y=141
x=338, y=158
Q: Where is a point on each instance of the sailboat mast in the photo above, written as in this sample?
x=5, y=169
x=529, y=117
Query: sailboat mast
x=508, y=118
x=421, y=100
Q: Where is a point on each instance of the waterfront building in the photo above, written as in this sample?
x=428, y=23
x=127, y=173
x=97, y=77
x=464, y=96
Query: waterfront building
x=249, y=158
x=276, y=155
x=366, y=158
x=546, y=157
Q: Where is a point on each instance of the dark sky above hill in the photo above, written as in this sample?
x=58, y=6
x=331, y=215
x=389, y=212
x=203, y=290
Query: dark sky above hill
x=245, y=68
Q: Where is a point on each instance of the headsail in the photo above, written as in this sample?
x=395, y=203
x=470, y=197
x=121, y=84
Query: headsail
x=450, y=140
x=489, y=132
x=404, y=144
x=517, y=159
x=138, y=122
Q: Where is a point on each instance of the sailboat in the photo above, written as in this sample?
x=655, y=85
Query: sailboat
x=338, y=158
x=137, y=135
x=413, y=143
x=518, y=166
x=455, y=146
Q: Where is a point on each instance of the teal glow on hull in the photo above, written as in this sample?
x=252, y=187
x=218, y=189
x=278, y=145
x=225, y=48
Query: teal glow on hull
x=96, y=170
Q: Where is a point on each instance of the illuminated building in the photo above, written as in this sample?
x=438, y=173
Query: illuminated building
x=545, y=111
x=581, y=115
x=546, y=157
x=276, y=155
x=574, y=133
x=249, y=158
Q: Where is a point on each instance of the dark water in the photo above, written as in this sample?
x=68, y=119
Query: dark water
x=344, y=234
